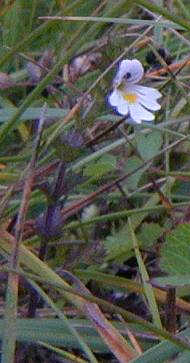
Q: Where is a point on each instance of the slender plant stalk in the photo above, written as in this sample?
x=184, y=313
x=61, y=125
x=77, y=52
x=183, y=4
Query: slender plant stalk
x=9, y=338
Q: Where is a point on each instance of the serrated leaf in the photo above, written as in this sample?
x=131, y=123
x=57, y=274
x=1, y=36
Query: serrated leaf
x=106, y=164
x=175, y=253
x=133, y=163
x=149, y=233
x=119, y=244
x=149, y=145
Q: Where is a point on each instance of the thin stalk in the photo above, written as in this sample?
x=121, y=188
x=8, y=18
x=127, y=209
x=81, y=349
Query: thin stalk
x=9, y=338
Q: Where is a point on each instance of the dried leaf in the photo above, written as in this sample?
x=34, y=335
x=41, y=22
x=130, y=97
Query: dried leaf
x=82, y=64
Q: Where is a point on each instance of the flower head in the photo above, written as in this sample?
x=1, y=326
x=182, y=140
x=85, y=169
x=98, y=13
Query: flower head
x=131, y=99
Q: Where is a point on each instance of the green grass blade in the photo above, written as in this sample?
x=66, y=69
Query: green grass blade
x=149, y=293
x=62, y=316
x=162, y=11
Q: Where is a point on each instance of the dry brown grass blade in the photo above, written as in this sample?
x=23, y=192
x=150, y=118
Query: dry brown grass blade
x=170, y=68
x=117, y=344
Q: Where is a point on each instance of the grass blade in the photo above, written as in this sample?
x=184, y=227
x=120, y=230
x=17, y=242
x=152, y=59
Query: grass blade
x=149, y=293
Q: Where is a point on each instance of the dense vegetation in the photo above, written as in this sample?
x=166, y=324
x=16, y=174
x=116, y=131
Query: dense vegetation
x=94, y=207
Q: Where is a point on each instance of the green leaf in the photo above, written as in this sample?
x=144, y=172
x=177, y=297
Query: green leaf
x=119, y=243
x=182, y=358
x=175, y=253
x=66, y=152
x=133, y=163
x=106, y=164
x=149, y=234
x=149, y=145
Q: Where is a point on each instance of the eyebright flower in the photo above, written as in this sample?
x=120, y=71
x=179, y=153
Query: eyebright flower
x=128, y=97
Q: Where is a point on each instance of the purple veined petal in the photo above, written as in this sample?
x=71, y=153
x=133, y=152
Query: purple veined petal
x=137, y=72
x=130, y=71
x=138, y=113
x=114, y=98
x=123, y=68
x=150, y=92
x=149, y=103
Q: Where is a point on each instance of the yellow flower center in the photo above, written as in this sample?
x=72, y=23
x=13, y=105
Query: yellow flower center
x=130, y=97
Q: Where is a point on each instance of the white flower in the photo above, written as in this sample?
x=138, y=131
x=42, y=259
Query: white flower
x=130, y=98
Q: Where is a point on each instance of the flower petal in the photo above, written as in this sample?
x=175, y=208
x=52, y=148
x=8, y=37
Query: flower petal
x=138, y=113
x=122, y=108
x=149, y=103
x=114, y=98
x=137, y=71
x=130, y=71
x=150, y=92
